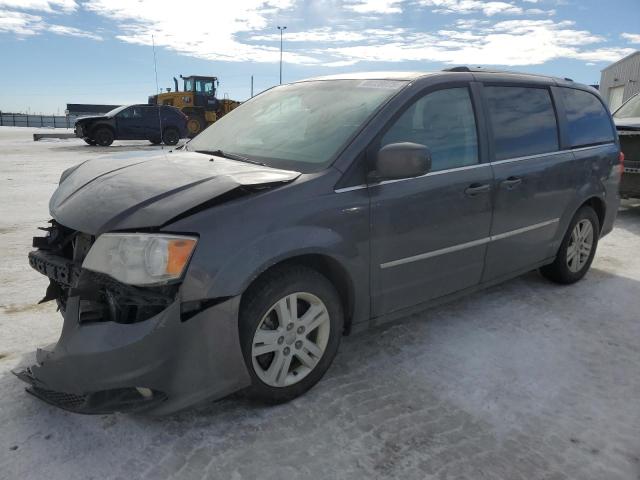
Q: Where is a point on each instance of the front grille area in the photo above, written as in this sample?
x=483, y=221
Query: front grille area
x=68, y=401
x=106, y=401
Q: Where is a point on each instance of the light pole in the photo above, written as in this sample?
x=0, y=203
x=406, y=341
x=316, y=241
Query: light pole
x=282, y=29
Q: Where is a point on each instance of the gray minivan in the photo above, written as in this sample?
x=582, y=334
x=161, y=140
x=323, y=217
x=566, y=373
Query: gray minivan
x=315, y=209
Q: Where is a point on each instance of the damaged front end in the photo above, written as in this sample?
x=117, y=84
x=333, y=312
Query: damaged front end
x=127, y=348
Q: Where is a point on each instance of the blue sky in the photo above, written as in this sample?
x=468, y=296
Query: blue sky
x=99, y=51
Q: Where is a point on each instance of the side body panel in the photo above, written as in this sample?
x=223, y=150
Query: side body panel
x=428, y=238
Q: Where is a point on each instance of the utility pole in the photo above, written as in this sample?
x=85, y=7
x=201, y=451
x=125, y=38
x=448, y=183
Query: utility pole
x=251, y=86
x=282, y=29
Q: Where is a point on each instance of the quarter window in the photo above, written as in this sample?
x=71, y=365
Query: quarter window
x=444, y=122
x=523, y=121
x=589, y=122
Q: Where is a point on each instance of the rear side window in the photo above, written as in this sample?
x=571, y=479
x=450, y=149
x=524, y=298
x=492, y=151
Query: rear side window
x=523, y=121
x=589, y=122
x=444, y=122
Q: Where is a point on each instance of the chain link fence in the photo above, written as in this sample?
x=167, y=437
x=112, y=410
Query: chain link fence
x=47, y=121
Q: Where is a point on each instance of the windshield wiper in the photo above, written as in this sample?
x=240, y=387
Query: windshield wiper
x=231, y=156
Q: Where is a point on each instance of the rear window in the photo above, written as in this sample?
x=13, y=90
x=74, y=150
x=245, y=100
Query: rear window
x=589, y=122
x=523, y=121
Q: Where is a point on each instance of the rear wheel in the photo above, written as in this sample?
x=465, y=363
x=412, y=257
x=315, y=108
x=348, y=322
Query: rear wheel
x=290, y=327
x=577, y=249
x=171, y=136
x=103, y=137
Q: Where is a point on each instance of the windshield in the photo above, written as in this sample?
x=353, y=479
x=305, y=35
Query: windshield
x=629, y=109
x=300, y=126
x=115, y=111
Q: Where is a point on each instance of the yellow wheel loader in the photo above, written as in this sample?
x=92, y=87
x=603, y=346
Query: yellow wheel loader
x=197, y=101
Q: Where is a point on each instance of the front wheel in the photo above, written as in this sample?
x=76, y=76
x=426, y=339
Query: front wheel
x=171, y=136
x=104, y=137
x=291, y=322
x=577, y=249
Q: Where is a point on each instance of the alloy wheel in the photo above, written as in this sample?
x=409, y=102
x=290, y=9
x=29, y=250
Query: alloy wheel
x=290, y=339
x=580, y=245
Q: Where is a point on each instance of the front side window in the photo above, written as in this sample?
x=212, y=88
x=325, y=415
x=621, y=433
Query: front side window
x=589, y=122
x=300, y=126
x=443, y=121
x=131, y=112
x=523, y=121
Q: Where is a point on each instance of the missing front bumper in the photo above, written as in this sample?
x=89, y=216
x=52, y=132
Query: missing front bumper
x=97, y=367
x=94, y=403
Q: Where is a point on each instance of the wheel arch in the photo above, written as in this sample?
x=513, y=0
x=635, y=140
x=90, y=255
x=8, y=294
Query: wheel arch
x=599, y=205
x=326, y=265
x=98, y=126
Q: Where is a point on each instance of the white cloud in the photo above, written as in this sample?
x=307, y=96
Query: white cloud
x=19, y=23
x=374, y=6
x=329, y=35
x=631, y=37
x=50, y=6
x=26, y=25
x=72, y=32
x=509, y=43
x=210, y=30
x=471, y=6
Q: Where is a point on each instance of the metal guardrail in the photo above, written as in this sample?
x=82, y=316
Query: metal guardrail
x=45, y=121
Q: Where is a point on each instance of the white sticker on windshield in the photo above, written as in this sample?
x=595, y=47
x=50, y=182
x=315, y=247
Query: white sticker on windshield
x=385, y=84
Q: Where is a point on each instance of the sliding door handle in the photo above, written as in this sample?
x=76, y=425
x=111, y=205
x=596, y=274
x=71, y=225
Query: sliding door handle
x=476, y=189
x=511, y=182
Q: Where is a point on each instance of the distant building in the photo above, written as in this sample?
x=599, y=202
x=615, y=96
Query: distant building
x=86, y=109
x=620, y=80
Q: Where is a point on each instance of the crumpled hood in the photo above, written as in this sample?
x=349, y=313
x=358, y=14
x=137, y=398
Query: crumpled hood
x=631, y=123
x=148, y=189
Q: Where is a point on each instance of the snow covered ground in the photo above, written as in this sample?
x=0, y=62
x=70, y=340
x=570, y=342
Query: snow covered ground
x=526, y=380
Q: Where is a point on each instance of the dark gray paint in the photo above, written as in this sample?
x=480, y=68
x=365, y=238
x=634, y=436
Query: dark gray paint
x=332, y=214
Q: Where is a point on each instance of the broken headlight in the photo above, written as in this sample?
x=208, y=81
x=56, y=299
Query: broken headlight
x=140, y=258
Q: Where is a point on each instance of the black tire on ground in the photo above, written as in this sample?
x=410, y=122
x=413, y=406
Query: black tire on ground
x=256, y=303
x=90, y=141
x=103, y=136
x=170, y=136
x=155, y=141
x=559, y=270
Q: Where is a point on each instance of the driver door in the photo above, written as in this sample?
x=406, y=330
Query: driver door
x=429, y=234
x=130, y=123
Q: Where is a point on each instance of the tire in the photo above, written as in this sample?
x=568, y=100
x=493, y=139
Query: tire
x=171, y=136
x=195, y=125
x=573, y=261
x=306, y=354
x=103, y=136
x=90, y=141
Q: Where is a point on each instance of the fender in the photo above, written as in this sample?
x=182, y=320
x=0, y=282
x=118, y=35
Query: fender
x=251, y=259
x=590, y=190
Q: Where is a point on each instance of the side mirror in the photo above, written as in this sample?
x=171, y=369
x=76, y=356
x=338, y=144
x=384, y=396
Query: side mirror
x=402, y=160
